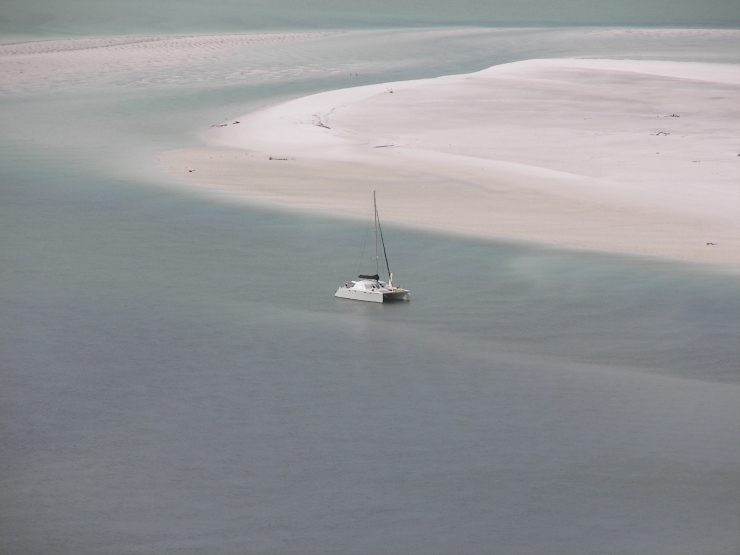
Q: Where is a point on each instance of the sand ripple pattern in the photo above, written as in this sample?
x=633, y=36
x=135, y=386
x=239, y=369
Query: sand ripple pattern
x=92, y=66
x=180, y=60
x=668, y=33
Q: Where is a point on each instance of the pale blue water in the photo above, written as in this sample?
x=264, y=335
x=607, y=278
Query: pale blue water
x=110, y=17
x=177, y=377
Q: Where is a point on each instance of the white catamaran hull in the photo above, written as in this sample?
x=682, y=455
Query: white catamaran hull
x=371, y=296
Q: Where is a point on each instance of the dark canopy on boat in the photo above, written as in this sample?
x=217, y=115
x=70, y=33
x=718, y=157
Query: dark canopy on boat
x=376, y=277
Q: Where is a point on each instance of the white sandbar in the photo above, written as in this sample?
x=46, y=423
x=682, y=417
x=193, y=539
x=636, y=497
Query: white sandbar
x=619, y=155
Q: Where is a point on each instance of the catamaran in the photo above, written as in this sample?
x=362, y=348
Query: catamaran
x=370, y=287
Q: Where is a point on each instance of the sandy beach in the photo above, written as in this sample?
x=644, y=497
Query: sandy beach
x=619, y=155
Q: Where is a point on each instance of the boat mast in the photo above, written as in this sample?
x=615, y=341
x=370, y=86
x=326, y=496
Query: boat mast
x=375, y=207
x=379, y=229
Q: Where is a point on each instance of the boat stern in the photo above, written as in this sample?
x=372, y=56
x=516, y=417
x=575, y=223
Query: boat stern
x=396, y=295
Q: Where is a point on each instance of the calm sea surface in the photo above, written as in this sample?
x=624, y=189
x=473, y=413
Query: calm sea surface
x=177, y=377
x=110, y=17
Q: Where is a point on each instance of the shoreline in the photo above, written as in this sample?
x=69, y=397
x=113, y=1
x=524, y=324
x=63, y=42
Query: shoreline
x=559, y=152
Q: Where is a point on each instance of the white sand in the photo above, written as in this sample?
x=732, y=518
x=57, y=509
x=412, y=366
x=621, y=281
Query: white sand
x=143, y=61
x=581, y=153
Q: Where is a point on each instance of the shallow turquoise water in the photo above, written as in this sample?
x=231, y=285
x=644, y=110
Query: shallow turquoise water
x=113, y=17
x=177, y=376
